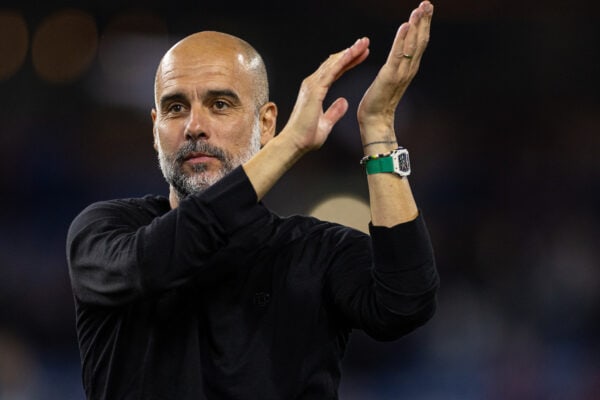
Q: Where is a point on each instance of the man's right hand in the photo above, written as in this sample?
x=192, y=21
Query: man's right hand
x=309, y=126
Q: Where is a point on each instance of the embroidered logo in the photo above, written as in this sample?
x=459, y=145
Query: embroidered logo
x=261, y=298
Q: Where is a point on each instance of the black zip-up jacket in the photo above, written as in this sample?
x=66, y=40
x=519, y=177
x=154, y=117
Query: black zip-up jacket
x=222, y=299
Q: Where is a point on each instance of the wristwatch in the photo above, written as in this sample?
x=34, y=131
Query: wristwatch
x=396, y=162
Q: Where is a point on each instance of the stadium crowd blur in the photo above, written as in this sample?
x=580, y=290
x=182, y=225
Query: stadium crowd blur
x=503, y=125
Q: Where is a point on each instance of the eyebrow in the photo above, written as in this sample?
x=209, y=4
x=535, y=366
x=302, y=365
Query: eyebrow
x=168, y=98
x=222, y=93
x=230, y=94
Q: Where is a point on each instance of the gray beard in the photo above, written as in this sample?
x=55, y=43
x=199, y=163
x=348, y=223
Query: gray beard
x=199, y=179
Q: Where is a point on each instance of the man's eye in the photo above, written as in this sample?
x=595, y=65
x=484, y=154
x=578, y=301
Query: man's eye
x=176, y=108
x=220, y=105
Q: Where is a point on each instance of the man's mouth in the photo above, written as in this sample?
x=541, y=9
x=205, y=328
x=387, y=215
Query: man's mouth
x=197, y=158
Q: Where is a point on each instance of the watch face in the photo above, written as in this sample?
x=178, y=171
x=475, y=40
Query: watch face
x=401, y=162
x=404, y=162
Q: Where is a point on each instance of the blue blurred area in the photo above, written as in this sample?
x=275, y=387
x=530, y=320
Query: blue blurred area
x=503, y=124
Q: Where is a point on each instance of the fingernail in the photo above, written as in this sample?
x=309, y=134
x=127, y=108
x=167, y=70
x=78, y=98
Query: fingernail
x=428, y=7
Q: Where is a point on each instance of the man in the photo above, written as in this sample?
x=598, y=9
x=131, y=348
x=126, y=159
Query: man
x=208, y=294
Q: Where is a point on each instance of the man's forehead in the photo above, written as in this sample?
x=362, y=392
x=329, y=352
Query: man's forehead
x=177, y=64
x=199, y=57
x=201, y=82
x=205, y=73
x=208, y=45
x=208, y=56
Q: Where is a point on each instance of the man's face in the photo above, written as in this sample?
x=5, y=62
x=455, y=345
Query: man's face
x=206, y=120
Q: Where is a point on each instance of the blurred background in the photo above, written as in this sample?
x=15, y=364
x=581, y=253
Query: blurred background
x=503, y=125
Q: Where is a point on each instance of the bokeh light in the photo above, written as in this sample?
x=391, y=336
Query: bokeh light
x=14, y=40
x=344, y=209
x=64, y=46
x=129, y=52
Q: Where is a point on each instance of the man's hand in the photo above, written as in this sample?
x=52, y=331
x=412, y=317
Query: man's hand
x=309, y=126
x=378, y=105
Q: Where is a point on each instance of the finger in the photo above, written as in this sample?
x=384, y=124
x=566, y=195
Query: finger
x=410, y=41
x=423, y=28
x=354, y=55
x=397, y=51
x=333, y=114
x=337, y=64
x=427, y=8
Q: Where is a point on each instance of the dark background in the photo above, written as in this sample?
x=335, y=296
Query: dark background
x=502, y=122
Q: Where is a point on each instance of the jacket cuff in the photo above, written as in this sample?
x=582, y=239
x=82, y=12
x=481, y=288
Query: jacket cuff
x=403, y=246
x=233, y=201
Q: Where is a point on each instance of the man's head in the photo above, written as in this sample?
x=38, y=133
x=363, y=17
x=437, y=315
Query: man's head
x=211, y=110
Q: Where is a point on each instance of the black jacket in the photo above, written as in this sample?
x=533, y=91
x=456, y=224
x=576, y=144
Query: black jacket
x=222, y=299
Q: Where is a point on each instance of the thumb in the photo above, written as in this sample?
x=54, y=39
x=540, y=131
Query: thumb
x=333, y=114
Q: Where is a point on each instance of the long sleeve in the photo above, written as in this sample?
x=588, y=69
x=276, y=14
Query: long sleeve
x=387, y=287
x=118, y=251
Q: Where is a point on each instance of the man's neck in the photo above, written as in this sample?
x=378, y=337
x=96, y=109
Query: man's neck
x=173, y=198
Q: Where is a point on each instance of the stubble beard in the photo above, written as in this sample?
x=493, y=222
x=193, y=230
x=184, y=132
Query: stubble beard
x=200, y=178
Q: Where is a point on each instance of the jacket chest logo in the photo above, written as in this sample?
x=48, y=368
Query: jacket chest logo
x=261, y=299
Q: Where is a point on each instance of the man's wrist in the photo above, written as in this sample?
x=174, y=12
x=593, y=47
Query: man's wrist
x=379, y=144
x=378, y=139
x=368, y=147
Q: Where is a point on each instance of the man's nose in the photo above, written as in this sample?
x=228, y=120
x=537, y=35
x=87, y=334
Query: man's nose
x=197, y=124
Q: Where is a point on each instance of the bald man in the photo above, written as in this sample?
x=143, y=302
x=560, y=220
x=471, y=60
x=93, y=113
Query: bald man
x=207, y=294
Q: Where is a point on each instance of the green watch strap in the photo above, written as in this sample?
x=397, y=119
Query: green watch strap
x=381, y=164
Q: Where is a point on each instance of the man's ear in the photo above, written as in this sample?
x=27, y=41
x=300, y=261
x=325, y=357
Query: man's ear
x=153, y=114
x=268, y=122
